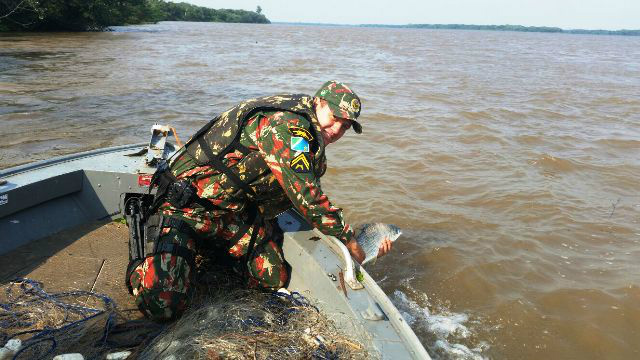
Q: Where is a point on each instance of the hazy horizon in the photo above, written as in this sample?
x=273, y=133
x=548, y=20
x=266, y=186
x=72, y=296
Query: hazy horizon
x=464, y=24
x=565, y=14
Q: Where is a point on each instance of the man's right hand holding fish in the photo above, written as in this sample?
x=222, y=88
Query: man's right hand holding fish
x=359, y=255
x=373, y=241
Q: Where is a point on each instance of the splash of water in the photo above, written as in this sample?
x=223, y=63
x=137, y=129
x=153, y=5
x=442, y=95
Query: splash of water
x=448, y=329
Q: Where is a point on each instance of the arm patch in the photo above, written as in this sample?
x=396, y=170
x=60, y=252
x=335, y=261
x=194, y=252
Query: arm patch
x=301, y=132
x=301, y=163
x=299, y=144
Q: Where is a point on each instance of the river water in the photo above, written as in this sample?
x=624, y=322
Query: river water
x=511, y=160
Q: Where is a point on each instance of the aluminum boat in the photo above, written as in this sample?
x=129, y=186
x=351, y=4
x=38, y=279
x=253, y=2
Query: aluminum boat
x=56, y=225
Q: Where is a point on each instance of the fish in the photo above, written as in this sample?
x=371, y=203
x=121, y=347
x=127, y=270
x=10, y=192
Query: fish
x=371, y=236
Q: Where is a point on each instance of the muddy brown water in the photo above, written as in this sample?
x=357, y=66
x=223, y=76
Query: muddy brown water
x=511, y=160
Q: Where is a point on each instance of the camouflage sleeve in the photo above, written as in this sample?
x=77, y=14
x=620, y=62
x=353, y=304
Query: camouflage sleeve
x=291, y=161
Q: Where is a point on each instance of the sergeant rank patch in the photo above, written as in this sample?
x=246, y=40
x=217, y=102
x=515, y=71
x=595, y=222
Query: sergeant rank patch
x=301, y=132
x=301, y=163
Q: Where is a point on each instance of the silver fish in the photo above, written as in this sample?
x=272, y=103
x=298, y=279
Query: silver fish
x=372, y=235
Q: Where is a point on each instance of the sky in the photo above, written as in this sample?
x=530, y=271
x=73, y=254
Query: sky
x=566, y=14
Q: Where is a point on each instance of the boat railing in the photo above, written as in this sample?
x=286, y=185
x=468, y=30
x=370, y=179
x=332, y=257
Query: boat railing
x=349, y=266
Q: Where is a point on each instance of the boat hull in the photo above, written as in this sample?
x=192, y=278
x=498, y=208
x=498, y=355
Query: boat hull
x=47, y=197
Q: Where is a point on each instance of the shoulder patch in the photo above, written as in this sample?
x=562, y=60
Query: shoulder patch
x=299, y=144
x=301, y=132
x=301, y=163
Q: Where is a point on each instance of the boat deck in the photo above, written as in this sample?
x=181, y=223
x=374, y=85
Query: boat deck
x=90, y=257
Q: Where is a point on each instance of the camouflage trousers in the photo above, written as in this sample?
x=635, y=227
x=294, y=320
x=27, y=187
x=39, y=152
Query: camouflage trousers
x=163, y=283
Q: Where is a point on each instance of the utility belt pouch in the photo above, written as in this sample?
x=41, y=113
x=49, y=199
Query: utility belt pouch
x=181, y=194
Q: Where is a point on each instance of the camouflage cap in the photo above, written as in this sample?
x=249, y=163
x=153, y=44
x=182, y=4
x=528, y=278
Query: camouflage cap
x=343, y=102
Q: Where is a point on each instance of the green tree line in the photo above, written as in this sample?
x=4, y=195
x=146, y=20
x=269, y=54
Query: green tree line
x=97, y=15
x=511, y=28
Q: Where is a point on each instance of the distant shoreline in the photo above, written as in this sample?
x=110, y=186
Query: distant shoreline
x=519, y=28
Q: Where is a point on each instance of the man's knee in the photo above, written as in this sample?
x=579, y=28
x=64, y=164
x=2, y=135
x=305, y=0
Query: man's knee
x=269, y=282
x=162, y=286
x=268, y=268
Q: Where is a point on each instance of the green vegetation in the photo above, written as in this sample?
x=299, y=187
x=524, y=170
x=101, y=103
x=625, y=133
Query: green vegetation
x=187, y=12
x=97, y=15
x=603, y=32
x=510, y=28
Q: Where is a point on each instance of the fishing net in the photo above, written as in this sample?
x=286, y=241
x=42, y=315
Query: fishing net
x=229, y=322
x=225, y=321
x=246, y=325
x=48, y=324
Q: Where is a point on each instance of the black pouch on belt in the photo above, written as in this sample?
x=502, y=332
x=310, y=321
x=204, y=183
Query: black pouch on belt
x=181, y=194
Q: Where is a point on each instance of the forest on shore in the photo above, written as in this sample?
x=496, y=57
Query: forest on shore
x=99, y=15
x=546, y=29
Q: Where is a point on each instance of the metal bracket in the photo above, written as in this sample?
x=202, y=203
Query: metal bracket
x=341, y=249
x=159, y=148
x=292, y=221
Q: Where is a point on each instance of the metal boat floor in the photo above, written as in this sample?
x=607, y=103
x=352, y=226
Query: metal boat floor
x=91, y=257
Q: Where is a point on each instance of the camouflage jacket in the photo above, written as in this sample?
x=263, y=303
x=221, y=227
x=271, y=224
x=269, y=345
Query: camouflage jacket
x=288, y=173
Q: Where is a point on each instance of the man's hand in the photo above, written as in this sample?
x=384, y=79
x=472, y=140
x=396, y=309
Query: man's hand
x=358, y=254
x=356, y=251
x=385, y=247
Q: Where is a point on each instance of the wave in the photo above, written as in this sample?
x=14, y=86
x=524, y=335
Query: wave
x=476, y=115
x=448, y=328
x=480, y=139
x=551, y=164
x=530, y=140
x=621, y=143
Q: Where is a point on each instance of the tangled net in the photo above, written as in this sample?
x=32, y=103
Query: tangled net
x=48, y=324
x=228, y=321
x=253, y=325
x=224, y=322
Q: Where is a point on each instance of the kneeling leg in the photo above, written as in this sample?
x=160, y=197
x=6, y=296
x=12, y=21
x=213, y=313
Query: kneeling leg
x=162, y=283
x=267, y=267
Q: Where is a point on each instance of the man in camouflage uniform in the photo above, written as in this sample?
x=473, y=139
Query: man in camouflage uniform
x=273, y=151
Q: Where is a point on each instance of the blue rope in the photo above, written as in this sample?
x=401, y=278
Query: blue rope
x=284, y=309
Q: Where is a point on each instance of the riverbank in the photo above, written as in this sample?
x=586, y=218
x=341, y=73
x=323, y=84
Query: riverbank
x=518, y=28
x=96, y=15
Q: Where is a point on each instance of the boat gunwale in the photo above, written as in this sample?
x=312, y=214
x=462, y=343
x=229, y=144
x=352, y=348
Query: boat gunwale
x=36, y=165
